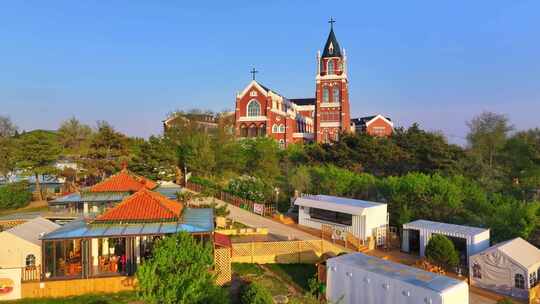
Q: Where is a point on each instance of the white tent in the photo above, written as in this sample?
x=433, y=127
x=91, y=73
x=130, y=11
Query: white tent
x=476, y=239
x=359, y=278
x=510, y=268
x=21, y=244
x=361, y=218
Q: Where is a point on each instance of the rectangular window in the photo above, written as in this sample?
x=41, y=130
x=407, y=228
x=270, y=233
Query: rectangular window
x=331, y=216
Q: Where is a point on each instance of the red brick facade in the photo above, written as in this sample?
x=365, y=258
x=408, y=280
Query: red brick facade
x=262, y=112
x=379, y=127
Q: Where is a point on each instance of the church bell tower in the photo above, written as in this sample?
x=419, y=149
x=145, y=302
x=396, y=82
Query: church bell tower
x=332, y=110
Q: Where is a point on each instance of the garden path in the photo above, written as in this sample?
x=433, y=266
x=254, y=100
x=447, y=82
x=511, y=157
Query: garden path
x=257, y=221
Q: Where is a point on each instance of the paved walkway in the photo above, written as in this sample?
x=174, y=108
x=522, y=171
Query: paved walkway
x=478, y=299
x=257, y=221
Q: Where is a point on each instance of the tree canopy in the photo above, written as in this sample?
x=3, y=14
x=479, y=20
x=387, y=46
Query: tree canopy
x=179, y=271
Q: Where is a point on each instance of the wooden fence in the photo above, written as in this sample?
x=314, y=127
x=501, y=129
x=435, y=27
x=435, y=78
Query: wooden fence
x=65, y=288
x=285, y=252
x=30, y=274
x=264, y=209
x=222, y=265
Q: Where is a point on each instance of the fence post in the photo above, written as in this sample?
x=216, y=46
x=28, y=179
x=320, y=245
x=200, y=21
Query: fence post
x=299, y=251
x=252, y=252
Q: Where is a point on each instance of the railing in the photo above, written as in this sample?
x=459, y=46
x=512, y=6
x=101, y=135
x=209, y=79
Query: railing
x=251, y=206
x=29, y=274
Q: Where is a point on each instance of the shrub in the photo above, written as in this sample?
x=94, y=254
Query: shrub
x=14, y=195
x=254, y=293
x=250, y=188
x=505, y=301
x=440, y=251
x=179, y=272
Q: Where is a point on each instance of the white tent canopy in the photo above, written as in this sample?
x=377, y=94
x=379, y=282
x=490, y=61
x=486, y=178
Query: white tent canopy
x=510, y=267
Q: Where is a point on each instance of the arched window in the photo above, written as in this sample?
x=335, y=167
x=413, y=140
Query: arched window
x=282, y=128
x=519, y=281
x=325, y=95
x=253, y=108
x=282, y=143
x=330, y=67
x=252, y=131
x=262, y=130
x=476, y=271
x=275, y=129
x=30, y=260
x=326, y=138
x=335, y=94
x=243, y=131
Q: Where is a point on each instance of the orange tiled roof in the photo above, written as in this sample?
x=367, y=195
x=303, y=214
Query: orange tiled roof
x=123, y=181
x=143, y=206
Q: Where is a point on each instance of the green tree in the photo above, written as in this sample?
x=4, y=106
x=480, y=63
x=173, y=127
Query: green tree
x=108, y=148
x=7, y=127
x=300, y=180
x=487, y=134
x=520, y=158
x=14, y=195
x=253, y=293
x=74, y=137
x=180, y=272
x=7, y=155
x=36, y=154
x=427, y=152
x=440, y=251
x=154, y=158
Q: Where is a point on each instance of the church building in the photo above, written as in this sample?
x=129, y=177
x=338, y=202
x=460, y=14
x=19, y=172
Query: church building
x=261, y=111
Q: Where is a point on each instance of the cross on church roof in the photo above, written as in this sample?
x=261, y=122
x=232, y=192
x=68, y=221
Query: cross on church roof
x=253, y=72
x=331, y=21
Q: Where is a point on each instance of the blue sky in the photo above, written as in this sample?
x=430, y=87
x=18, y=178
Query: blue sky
x=131, y=62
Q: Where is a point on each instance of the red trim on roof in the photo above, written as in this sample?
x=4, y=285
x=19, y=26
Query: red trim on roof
x=123, y=181
x=144, y=205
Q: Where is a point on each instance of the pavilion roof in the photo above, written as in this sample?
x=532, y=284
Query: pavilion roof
x=143, y=206
x=123, y=181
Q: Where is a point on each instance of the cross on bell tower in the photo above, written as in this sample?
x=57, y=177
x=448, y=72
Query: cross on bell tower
x=331, y=21
x=253, y=72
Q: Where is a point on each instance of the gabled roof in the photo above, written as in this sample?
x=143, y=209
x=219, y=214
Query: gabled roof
x=331, y=48
x=32, y=230
x=143, y=206
x=519, y=250
x=123, y=181
x=366, y=120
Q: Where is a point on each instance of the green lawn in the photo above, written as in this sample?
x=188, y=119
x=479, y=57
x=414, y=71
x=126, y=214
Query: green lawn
x=113, y=298
x=295, y=273
x=246, y=269
x=278, y=277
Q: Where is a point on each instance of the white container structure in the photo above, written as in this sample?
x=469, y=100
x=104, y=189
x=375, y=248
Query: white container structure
x=361, y=218
x=468, y=240
x=510, y=268
x=359, y=278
